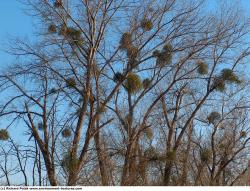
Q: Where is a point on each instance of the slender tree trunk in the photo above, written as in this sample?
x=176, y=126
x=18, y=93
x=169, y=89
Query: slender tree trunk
x=133, y=167
x=142, y=168
x=167, y=172
x=130, y=167
x=102, y=160
x=39, y=168
x=72, y=179
x=183, y=180
x=50, y=169
x=125, y=169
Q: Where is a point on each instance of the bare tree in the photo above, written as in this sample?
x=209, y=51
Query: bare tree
x=114, y=92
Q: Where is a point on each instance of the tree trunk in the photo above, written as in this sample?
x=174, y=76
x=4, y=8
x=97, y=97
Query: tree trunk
x=50, y=169
x=72, y=179
x=130, y=167
x=167, y=172
x=142, y=168
x=183, y=180
x=102, y=160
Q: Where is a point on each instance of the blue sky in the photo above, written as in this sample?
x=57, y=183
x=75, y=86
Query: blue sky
x=14, y=22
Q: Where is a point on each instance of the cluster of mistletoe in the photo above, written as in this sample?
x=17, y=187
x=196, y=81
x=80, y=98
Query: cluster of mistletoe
x=164, y=57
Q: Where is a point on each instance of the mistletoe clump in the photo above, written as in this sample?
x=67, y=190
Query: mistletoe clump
x=214, y=117
x=243, y=134
x=75, y=34
x=63, y=30
x=118, y=77
x=202, y=67
x=102, y=108
x=126, y=41
x=229, y=76
x=69, y=163
x=146, y=25
x=4, y=135
x=40, y=126
x=164, y=57
x=66, y=132
x=149, y=133
x=132, y=53
x=52, y=28
x=71, y=82
x=168, y=48
x=146, y=83
x=78, y=112
x=226, y=75
x=72, y=34
x=133, y=83
x=156, y=53
x=52, y=91
x=221, y=146
x=219, y=84
x=58, y=4
x=205, y=155
x=151, y=154
x=171, y=155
